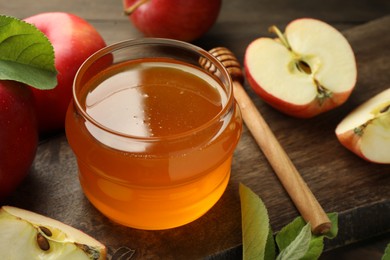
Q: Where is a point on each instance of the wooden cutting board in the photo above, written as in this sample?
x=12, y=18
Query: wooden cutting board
x=359, y=191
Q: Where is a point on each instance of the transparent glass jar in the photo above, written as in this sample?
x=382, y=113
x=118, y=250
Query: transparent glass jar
x=153, y=132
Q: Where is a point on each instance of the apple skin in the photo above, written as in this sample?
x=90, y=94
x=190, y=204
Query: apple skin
x=185, y=20
x=18, y=134
x=350, y=140
x=73, y=40
x=315, y=106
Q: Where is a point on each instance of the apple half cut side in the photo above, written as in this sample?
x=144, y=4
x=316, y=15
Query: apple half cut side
x=308, y=70
x=366, y=130
x=28, y=235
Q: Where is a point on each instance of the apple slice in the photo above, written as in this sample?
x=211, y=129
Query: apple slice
x=366, y=130
x=306, y=71
x=28, y=235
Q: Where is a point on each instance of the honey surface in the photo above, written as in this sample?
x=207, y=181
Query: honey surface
x=153, y=99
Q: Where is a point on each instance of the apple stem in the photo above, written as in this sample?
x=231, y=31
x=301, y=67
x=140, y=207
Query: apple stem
x=281, y=36
x=133, y=7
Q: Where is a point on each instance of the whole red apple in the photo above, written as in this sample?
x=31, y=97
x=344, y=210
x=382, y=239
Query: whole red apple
x=73, y=40
x=184, y=20
x=18, y=134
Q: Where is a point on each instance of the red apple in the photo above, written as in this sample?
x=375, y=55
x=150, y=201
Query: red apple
x=306, y=71
x=18, y=134
x=181, y=20
x=366, y=130
x=73, y=40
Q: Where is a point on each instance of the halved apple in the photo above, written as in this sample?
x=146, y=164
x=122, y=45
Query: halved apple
x=366, y=130
x=306, y=71
x=28, y=235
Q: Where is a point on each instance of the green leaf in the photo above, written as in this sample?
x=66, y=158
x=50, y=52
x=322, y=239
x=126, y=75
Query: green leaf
x=335, y=225
x=288, y=233
x=315, y=248
x=317, y=242
x=298, y=247
x=26, y=55
x=255, y=226
x=294, y=241
x=386, y=255
x=270, y=250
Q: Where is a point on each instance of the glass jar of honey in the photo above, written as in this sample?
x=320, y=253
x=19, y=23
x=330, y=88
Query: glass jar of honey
x=153, y=132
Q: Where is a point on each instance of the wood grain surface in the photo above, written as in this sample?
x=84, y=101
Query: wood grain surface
x=359, y=191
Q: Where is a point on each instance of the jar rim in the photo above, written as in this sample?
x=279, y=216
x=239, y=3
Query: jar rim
x=164, y=42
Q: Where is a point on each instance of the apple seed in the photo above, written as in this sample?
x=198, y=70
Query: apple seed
x=46, y=231
x=302, y=66
x=42, y=241
x=385, y=109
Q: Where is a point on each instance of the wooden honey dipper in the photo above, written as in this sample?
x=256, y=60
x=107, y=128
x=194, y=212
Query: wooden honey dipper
x=299, y=192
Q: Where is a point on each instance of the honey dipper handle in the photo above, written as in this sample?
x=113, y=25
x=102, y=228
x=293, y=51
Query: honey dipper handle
x=299, y=192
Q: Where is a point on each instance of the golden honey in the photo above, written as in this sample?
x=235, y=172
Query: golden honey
x=154, y=140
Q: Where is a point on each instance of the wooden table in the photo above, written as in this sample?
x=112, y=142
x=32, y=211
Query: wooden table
x=359, y=191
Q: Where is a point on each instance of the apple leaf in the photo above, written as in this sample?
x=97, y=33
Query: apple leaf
x=298, y=247
x=26, y=55
x=258, y=241
x=288, y=233
x=294, y=241
x=386, y=255
x=335, y=225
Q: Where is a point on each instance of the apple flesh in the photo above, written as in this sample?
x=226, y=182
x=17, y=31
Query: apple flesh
x=306, y=71
x=18, y=134
x=28, y=235
x=366, y=130
x=73, y=40
x=185, y=21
